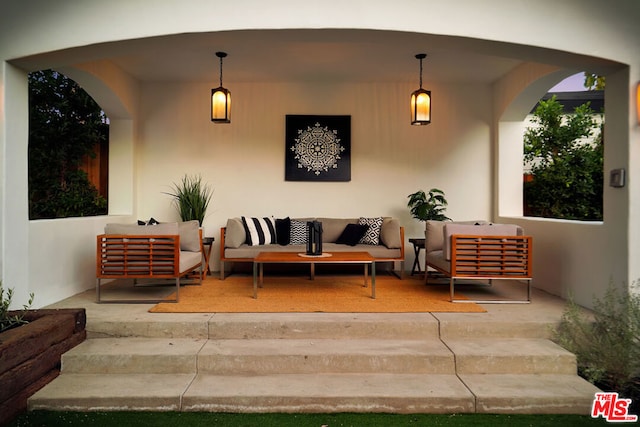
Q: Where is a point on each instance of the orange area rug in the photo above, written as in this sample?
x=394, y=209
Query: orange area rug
x=330, y=294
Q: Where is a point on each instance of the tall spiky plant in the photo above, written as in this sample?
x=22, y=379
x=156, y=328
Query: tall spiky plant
x=192, y=198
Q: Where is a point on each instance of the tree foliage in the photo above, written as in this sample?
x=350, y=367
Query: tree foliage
x=594, y=81
x=567, y=171
x=65, y=124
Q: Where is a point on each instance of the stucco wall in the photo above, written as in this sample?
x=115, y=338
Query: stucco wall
x=244, y=161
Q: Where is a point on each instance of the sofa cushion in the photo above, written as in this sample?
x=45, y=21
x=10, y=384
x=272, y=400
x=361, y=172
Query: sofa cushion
x=259, y=231
x=475, y=230
x=234, y=235
x=352, y=234
x=372, y=236
x=390, y=233
x=189, y=235
x=298, y=232
x=283, y=231
x=332, y=228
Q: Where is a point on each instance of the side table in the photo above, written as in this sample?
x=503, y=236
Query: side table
x=207, y=241
x=418, y=245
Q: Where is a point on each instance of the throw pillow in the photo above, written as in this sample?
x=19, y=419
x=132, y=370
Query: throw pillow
x=352, y=234
x=283, y=231
x=372, y=236
x=298, y=232
x=152, y=221
x=260, y=231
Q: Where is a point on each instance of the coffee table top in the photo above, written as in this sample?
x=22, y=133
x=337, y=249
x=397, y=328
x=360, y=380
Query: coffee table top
x=335, y=257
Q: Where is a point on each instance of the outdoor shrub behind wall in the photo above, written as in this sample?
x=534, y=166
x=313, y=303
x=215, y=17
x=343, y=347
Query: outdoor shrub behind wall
x=566, y=178
x=607, y=346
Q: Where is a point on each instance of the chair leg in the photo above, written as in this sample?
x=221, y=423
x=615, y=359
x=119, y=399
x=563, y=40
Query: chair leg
x=98, y=290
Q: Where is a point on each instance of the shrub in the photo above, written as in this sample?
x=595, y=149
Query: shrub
x=567, y=172
x=10, y=320
x=607, y=344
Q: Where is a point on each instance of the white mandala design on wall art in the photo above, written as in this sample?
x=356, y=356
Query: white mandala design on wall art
x=317, y=149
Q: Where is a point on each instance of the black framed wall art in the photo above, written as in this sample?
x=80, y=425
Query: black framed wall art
x=318, y=148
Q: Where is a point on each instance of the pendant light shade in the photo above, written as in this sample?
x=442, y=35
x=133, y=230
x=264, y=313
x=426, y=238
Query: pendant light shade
x=421, y=101
x=220, y=99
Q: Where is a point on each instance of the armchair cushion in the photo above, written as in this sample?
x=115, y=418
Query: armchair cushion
x=168, y=228
x=189, y=235
x=475, y=230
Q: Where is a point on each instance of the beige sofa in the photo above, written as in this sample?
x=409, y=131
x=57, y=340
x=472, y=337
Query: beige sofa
x=162, y=251
x=479, y=250
x=389, y=247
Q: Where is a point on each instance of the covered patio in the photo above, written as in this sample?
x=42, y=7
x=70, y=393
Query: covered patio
x=152, y=71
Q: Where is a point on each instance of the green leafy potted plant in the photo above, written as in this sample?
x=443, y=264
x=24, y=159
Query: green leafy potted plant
x=424, y=206
x=192, y=198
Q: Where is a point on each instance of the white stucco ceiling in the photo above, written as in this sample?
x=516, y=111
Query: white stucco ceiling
x=311, y=55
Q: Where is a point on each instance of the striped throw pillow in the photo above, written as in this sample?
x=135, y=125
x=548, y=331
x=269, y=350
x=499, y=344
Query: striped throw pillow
x=260, y=231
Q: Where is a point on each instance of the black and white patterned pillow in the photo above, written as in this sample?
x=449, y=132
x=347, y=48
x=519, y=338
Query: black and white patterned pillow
x=372, y=236
x=299, y=233
x=260, y=231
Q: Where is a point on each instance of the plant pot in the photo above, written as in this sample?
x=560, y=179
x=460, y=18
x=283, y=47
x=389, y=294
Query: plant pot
x=30, y=354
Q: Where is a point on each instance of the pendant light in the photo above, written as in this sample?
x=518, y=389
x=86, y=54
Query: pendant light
x=220, y=99
x=421, y=101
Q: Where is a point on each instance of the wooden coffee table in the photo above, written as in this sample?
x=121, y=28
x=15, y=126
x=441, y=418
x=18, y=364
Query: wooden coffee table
x=326, y=258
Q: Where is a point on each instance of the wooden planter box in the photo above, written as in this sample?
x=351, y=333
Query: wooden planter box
x=30, y=354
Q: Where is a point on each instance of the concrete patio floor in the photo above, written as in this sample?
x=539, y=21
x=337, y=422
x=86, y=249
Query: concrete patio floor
x=501, y=361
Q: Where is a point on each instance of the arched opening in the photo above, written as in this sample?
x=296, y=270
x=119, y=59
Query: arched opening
x=563, y=152
x=68, y=149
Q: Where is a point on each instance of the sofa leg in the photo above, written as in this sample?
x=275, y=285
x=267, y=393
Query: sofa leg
x=221, y=270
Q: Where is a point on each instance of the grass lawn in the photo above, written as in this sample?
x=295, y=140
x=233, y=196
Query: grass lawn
x=206, y=419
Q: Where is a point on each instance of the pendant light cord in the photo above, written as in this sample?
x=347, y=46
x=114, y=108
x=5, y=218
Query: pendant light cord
x=221, y=71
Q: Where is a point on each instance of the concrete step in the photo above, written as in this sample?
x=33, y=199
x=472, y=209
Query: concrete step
x=274, y=356
x=133, y=355
x=531, y=394
x=511, y=356
x=247, y=357
x=264, y=357
x=323, y=325
x=396, y=393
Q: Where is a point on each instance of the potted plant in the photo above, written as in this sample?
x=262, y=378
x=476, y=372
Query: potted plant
x=192, y=198
x=425, y=206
